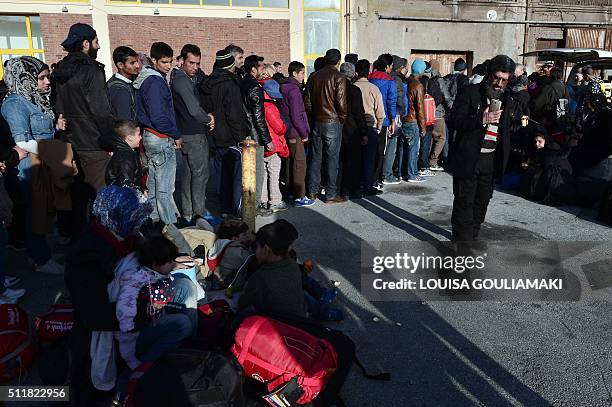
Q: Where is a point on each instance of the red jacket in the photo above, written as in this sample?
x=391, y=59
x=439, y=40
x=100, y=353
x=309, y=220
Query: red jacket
x=277, y=128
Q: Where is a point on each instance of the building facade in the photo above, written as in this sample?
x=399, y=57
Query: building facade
x=280, y=30
x=285, y=30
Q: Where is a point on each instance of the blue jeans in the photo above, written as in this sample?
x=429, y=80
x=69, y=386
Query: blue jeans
x=409, y=150
x=425, y=149
x=161, y=158
x=326, y=141
x=390, y=150
x=3, y=243
x=368, y=158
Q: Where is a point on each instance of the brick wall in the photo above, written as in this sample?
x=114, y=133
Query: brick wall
x=268, y=38
x=55, y=29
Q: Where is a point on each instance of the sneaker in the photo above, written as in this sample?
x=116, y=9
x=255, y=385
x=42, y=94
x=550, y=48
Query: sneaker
x=51, y=267
x=10, y=281
x=304, y=202
x=392, y=181
x=336, y=199
x=436, y=168
x=378, y=186
x=213, y=221
x=426, y=173
x=372, y=192
x=14, y=293
x=282, y=206
x=416, y=180
x=263, y=211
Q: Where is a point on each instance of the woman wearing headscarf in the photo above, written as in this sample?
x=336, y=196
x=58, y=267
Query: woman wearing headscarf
x=28, y=113
x=118, y=213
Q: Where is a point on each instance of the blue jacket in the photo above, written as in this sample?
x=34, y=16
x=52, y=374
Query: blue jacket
x=154, y=107
x=27, y=122
x=386, y=84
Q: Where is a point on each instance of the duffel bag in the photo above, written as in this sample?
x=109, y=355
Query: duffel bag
x=276, y=354
x=55, y=324
x=16, y=348
x=345, y=348
x=186, y=378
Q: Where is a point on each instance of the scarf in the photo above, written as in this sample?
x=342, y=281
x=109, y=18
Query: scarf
x=21, y=78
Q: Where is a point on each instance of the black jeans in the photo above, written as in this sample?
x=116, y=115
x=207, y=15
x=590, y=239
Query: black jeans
x=472, y=196
x=349, y=175
x=380, y=154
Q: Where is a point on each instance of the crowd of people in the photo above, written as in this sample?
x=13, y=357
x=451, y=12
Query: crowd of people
x=111, y=165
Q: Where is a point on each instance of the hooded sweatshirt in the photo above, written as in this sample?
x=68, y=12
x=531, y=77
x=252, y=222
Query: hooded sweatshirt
x=154, y=107
x=387, y=88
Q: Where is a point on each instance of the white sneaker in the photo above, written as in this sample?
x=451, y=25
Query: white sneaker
x=426, y=173
x=51, y=267
x=16, y=293
x=416, y=180
x=10, y=281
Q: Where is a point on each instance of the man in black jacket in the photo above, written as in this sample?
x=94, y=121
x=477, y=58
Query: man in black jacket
x=121, y=93
x=78, y=92
x=253, y=99
x=221, y=96
x=482, y=146
x=354, y=135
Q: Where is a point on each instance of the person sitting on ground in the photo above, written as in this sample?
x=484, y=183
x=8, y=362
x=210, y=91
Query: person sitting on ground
x=124, y=168
x=229, y=256
x=548, y=172
x=118, y=214
x=155, y=311
x=276, y=287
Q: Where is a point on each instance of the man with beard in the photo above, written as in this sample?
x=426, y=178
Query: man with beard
x=482, y=146
x=78, y=91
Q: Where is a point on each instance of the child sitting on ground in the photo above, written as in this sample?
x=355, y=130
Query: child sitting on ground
x=124, y=167
x=143, y=287
x=229, y=256
x=275, y=288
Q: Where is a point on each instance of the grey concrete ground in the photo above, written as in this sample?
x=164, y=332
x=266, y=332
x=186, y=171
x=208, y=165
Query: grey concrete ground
x=453, y=353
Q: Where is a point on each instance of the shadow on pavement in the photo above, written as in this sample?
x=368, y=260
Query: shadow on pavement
x=431, y=363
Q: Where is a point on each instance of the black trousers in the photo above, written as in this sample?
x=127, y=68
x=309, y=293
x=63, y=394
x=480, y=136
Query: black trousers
x=472, y=196
x=349, y=175
x=380, y=155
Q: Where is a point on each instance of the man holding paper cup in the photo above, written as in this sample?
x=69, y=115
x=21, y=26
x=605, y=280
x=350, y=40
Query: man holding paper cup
x=481, y=116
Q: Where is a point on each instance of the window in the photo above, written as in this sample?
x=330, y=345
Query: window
x=321, y=29
x=235, y=3
x=20, y=35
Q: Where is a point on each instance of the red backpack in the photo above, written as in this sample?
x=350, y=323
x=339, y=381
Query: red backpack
x=430, y=110
x=16, y=348
x=276, y=353
x=55, y=324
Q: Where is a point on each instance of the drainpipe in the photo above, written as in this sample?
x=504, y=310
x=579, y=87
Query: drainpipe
x=548, y=23
x=526, y=35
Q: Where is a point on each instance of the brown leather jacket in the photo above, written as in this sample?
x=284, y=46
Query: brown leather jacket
x=416, y=95
x=325, y=99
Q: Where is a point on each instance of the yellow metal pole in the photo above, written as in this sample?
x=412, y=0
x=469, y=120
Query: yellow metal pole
x=249, y=182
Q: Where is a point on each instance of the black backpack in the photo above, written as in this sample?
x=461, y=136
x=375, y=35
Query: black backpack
x=187, y=378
